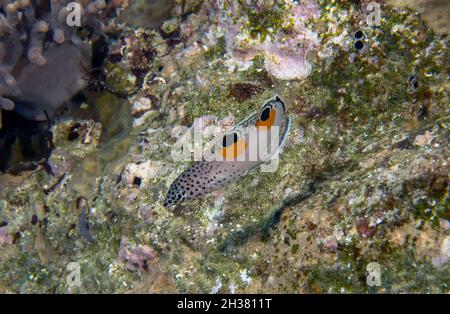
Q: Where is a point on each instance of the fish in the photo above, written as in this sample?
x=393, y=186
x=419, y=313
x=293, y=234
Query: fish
x=237, y=152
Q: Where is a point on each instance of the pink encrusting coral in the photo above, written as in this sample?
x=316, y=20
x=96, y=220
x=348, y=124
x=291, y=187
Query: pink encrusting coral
x=43, y=62
x=285, y=51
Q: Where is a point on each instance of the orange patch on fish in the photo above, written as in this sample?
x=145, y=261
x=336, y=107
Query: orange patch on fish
x=231, y=152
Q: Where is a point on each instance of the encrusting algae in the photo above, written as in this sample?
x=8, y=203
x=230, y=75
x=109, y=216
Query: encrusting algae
x=362, y=179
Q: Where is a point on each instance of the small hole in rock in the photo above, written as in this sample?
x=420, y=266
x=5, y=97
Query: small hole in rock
x=137, y=181
x=359, y=45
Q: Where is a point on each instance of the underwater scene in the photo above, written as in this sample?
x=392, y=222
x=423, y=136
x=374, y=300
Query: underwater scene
x=224, y=146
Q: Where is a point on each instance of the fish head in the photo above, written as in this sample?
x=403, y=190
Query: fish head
x=272, y=113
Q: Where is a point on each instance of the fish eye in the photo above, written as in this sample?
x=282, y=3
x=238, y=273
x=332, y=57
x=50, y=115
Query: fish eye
x=265, y=114
x=230, y=139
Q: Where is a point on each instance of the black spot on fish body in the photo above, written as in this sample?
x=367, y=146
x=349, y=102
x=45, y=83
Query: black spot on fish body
x=208, y=176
